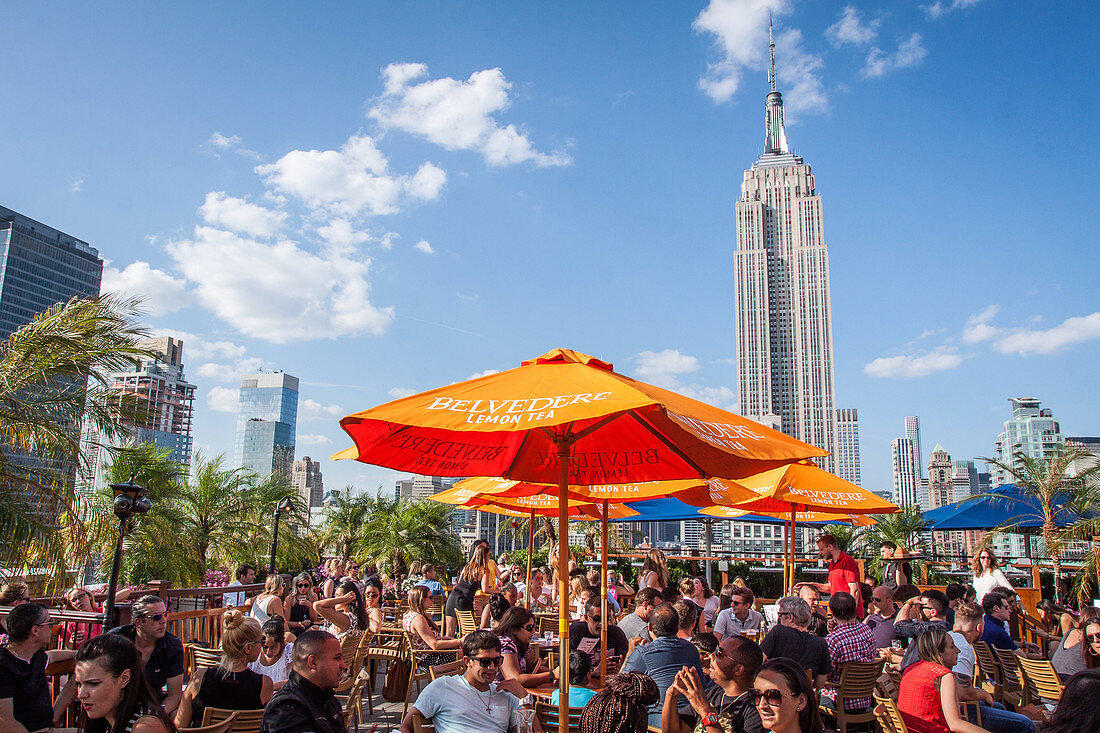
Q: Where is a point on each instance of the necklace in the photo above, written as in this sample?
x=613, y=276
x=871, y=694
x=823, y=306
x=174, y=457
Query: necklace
x=488, y=704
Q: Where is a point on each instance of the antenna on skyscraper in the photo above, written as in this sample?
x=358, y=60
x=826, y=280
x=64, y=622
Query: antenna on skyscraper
x=771, y=48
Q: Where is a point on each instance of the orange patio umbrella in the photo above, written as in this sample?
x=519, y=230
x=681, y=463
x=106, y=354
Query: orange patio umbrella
x=564, y=418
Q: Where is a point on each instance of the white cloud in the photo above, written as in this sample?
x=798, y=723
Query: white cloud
x=466, y=297
x=457, y=115
x=77, y=184
x=231, y=143
x=1070, y=331
x=740, y=30
x=850, y=28
x=279, y=292
x=485, y=373
x=222, y=399
x=341, y=236
x=160, y=293
x=978, y=327
x=722, y=397
x=940, y=8
x=908, y=366
x=399, y=392
x=312, y=439
x=231, y=373
x=424, y=246
x=228, y=212
x=664, y=367
x=351, y=181
x=314, y=410
x=909, y=54
x=388, y=239
x=199, y=347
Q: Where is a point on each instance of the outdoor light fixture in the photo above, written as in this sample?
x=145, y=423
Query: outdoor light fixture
x=286, y=506
x=130, y=499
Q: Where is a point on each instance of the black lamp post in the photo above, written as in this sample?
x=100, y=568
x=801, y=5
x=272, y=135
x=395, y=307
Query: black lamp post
x=130, y=499
x=286, y=506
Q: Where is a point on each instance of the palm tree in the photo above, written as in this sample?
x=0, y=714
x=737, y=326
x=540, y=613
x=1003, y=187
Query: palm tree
x=297, y=548
x=53, y=377
x=1046, y=488
x=344, y=519
x=399, y=531
x=903, y=528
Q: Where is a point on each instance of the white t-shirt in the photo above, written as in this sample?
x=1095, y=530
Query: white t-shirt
x=729, y=625
x=456, y=707
x=967, y=659
x=989, y=581
x=279, y=670
x=233, y=599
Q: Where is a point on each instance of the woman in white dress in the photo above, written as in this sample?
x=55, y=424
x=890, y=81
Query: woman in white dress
x=270, y=603
x=987, y=574
x=276, y=652
x=654, y=571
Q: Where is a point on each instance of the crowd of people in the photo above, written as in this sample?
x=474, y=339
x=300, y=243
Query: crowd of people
x=680, y=657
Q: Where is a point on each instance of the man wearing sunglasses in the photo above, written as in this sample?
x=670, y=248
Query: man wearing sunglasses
x=740, y=616
x=917, y=615
x=997, y=605
x=585, y=635
x=726, y=705
x=161, y=651
x=25, y=703
x=470, y=701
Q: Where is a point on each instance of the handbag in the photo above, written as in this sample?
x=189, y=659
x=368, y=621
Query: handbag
x=397, y=679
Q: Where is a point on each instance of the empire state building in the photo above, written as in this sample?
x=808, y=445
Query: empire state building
x=783, y=321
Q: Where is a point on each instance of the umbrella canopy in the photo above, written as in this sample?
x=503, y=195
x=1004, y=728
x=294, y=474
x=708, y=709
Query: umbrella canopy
x=523, y=506
x=1005, y=504
x=805, y=487
x=673, y=510
x=727, y=512
x=512, y=423
x=690, y=491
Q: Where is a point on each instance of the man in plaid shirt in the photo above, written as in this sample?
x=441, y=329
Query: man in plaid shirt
x=850, y=641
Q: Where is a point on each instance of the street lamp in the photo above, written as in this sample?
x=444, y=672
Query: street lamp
x=130, y=499
x=286, y=506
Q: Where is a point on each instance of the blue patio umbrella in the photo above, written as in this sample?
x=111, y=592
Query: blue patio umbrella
x=1005, y=504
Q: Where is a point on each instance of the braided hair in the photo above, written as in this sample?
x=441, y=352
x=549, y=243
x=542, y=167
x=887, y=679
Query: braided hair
x=622, y=706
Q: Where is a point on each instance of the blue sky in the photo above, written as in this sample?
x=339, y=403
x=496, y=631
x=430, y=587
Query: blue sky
x=382, y=198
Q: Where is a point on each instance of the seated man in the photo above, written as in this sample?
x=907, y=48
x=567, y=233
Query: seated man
x=791, y=639
x=25, y=703
x=998, y=610
x=723, y=705
x=636, y=624
x=307, y=701
x=917, y=615
x=664, y=657
x=584, y=635
x=470, y=701
x=818, y=625
x=428, y=580
x=740, y=616
x=995, y=718
x=849, y=641
x=881, y=620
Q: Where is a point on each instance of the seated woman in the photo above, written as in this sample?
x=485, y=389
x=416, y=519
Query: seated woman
x=1069, y=658
x=275, y=652
x=580, y=670
x=928, y=697
x=521, y=658
x=345, y=612
x=541, y=593
x=270, y=602
x=784, y=698
x=424, y=634
x=112, y=691
x=231, y=685
x=494, y=610
x=372, y=601
x=622, y=706
x=301, y=615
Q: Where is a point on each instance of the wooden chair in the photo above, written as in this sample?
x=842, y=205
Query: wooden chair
x=203, y=657
x=384, y=647
x=857, y=680
x=989, y=671
x=1015, y=691
x=458, y=666
x=547, y=715
x=247, y=721
x=353, y=648
x=466, y=622
x=1043, y=683
x=353, y=706
x=548, y=623
x=420, y=724
x=223, y=726
x=888, y=717
x=417, y=674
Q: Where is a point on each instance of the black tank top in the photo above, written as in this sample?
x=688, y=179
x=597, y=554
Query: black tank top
x=298, y=612
x=227, y=690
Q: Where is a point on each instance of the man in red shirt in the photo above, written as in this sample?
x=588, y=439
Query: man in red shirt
x=843, y=572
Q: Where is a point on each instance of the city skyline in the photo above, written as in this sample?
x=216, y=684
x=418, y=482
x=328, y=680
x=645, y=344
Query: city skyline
x=473, y=188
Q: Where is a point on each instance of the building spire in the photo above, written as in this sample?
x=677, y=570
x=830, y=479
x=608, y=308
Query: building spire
x=775, y=138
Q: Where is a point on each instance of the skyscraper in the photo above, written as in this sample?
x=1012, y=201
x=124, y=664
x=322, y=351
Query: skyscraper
x=306, y=478
x=941, y=480
x=1032, y=431
x=912, y=432
x=847, y=445
x=906, y=474
x=420, y=487
x=783, y=320
x=267, y=414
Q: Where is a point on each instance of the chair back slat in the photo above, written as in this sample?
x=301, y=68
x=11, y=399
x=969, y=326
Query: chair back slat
x=223, y=726
x=446, y=670
x=888, y=716
x=247, y=721
x=547, y=715
x=467, y=624
x=1043, y=682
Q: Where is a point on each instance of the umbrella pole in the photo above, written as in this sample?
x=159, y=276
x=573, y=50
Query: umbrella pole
x=563, y=445
x=794, y=531
x=603, y=597
x=530, y=552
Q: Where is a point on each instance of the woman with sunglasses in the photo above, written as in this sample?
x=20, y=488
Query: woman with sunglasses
x=345, y=612
x=1090, y=645
x=372, y=601
x=521, y=659
x=80, y=599
x=231, y=685
x=784, y=698
x=987, y=573
x=302, y=616
x=928, y=697
x=423, y=633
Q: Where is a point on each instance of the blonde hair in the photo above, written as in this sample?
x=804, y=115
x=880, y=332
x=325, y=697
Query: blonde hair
x=976, y=564
x=655, y=562
x=687, y=586
x=479, y=563
x=932, y=644
x=416, y=597
x=238, y=630
x=274, y=584
x=415, y=568
x=579, y=584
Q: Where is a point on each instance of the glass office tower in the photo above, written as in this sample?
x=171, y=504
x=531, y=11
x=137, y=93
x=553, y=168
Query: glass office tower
x=267, y=414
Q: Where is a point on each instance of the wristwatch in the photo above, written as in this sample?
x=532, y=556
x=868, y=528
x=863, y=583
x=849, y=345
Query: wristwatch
x=710, y=721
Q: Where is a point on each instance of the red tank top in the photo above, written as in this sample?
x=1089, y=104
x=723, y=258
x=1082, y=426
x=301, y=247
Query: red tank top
x=919, y=698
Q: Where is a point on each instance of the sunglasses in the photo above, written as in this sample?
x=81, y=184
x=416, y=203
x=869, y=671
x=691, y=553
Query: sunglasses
x=487, y=662
x=596, y=619
x=529, y=627
x=374, y=594
x=1094, y=638
x=772, y=697
x=154, y=616
x=303, y=585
